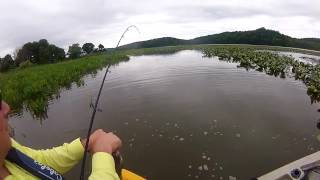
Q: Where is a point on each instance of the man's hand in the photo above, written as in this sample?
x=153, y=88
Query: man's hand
x=101, y=141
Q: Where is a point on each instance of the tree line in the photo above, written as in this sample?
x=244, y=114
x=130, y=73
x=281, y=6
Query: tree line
x=261, y=36
x=42, y=52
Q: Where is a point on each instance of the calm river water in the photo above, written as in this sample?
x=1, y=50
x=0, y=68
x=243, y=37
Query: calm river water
x=183, y=116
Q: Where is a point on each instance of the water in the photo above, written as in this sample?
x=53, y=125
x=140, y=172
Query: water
x=183, y=116
x=305, y=58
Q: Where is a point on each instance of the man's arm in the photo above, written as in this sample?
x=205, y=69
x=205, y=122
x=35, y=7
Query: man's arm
x=64, y=157
x=61, y=158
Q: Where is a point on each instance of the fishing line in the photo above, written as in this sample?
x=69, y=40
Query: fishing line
x=96, y=105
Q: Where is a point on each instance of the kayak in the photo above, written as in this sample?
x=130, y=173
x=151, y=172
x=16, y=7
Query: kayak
x=306, y=168
x=128, y=175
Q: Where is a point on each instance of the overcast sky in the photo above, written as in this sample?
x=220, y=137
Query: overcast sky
x=63, y=22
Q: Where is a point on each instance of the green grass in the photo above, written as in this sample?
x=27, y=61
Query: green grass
x=34, y=86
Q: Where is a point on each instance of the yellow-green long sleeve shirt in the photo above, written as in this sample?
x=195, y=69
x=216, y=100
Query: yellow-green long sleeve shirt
x=62, y=159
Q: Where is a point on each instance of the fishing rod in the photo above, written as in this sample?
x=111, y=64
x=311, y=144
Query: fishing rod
x=95, y=108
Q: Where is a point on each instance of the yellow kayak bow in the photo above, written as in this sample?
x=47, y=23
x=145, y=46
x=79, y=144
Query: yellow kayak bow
x=128, y=175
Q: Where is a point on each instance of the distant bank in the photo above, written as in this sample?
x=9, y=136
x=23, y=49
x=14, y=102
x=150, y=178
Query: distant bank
x=259, y=36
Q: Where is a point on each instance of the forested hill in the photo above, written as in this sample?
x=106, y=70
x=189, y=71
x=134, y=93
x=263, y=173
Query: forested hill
x=259, y=36
x=159, y=42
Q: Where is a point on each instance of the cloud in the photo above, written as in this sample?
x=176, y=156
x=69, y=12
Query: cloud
x=64, y=22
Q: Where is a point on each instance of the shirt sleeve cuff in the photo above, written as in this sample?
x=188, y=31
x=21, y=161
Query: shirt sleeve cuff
x=102, y=161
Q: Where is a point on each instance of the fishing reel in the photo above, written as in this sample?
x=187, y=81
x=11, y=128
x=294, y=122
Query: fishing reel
x=118, y=160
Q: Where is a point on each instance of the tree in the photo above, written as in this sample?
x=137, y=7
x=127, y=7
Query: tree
x=40, y=52
x=88, y=47
x=101, y=47
x=44, y=54
x=74, y=51
x=56, y=53
x=6, y=63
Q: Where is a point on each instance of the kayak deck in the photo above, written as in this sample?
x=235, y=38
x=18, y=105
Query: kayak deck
x=298, y=169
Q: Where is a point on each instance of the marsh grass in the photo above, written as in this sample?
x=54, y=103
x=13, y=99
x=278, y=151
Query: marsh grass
x=35, y=86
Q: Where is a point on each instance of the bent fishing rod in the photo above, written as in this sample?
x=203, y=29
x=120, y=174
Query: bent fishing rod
x=96, y=105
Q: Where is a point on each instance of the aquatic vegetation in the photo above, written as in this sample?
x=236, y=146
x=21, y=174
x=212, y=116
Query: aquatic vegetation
x=35, y=86
x=271, y=63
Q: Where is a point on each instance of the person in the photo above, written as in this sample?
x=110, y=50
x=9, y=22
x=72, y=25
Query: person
x=61, y=158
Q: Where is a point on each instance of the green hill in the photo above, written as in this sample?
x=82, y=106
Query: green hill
x=259, y=36
x=159, y=42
